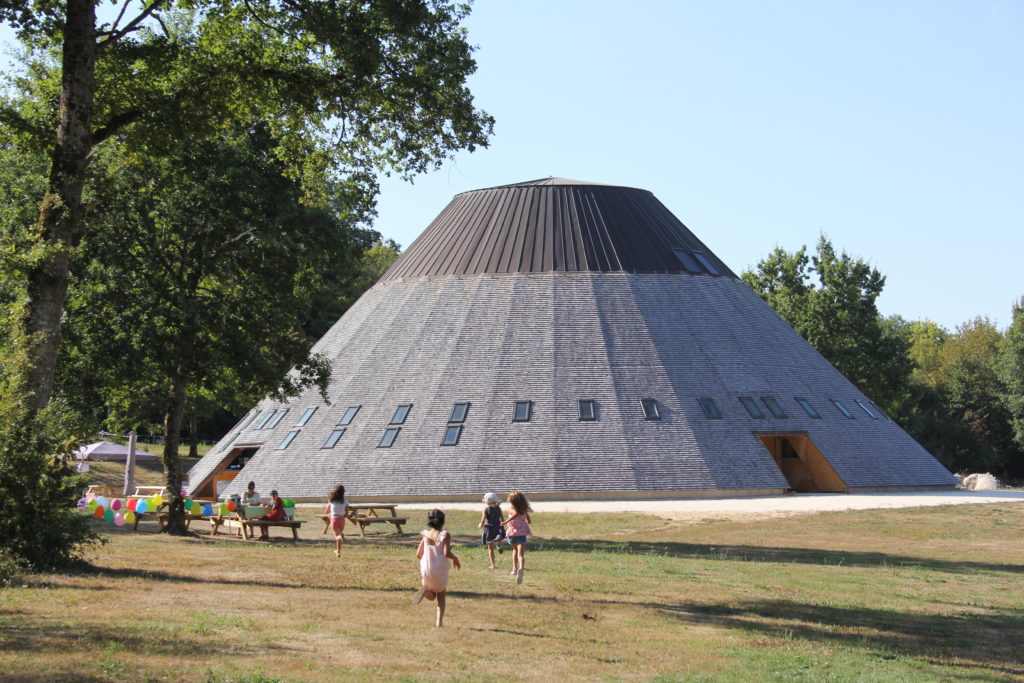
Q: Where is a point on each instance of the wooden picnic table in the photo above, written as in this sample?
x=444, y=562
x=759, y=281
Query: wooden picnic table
x=365, y=514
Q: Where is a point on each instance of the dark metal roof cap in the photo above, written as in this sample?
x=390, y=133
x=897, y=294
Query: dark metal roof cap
x=555, y=224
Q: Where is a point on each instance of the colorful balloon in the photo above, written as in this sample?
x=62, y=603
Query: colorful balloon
x=101, y=501
x=108, y=515
x=116, y=505
x=158, y=500
x=231, y=505
x=119, y=519
x=208, y=510
x=188, y=503
x=98, y=513
x=90, y=496
x=196, y=508
x=132, y=503
x=92, y=505
x=129, y=517
x=141, y=507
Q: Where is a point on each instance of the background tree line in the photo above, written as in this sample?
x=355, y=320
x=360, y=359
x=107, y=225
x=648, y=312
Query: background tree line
x=959, y=392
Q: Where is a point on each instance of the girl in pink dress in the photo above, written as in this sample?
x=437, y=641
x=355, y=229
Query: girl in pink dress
x=517, y=528
x=434, y=552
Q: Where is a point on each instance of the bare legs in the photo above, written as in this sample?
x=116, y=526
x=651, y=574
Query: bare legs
x=338, y=541
x=431, y=595
x=490, y=554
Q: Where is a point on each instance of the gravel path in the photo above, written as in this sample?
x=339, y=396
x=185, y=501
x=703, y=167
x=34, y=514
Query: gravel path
x=760, y=507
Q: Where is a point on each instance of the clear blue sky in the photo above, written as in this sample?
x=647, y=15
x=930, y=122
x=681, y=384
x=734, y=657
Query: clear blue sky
x=893, y=127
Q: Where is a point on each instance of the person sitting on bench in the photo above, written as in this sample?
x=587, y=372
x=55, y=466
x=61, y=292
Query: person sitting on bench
x=276, y=514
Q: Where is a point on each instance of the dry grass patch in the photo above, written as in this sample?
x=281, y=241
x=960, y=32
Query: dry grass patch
x=912, y=594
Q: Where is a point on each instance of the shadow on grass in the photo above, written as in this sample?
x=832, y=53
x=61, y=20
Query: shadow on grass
x=753, y=553
x=989, y=641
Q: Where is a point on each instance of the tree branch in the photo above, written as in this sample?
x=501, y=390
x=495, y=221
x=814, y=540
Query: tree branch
x=132, y=25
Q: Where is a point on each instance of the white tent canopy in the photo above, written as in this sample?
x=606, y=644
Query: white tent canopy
x=105, y=450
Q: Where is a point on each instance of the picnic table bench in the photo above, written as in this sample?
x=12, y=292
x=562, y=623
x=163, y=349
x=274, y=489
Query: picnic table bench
x=263, y=524
x=365, y=514
x=104, y=490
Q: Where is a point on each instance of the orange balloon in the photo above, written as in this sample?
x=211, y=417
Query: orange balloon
x=99, y=512
x=231, y=506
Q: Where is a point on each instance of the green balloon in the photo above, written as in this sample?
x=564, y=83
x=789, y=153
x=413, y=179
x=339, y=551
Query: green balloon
x=196, y=508
x=108, y=515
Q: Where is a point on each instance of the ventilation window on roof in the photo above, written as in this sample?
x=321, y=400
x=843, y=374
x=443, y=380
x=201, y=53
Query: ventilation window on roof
x=808, y=408
x=451, y=435
x=773, y=407
x=401, y=412
x=650, y=407
x=252, y=416
x=842, y=408
x=523, y=411
x=230, y=441
x=277, y=418
x=708, y=266
x=390, y=434
x=305, y=416
x=588, y=411
x=288, y=438
x=687, y=260
x=710, y=408
x=751, y=407
x=349, y=415
x=866, y=410
x=332, y=438
x=266, y=418
x=459, y=411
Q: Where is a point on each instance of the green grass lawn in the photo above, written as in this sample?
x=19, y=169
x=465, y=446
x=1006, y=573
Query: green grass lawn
x=910, y=594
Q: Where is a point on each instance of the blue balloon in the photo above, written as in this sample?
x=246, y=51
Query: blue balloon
x=208, y=510
x=140, y=507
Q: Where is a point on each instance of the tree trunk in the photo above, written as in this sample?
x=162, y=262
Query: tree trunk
x=193, y=429
x=60, y=211
x=173, y=419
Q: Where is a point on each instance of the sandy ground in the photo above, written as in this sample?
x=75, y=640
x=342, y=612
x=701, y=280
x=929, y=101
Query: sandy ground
x=760, y=507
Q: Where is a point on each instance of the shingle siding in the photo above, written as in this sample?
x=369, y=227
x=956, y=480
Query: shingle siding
x=554, y=338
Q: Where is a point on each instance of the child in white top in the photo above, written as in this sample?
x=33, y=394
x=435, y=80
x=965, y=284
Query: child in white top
x=433, y=553
x=337, y=508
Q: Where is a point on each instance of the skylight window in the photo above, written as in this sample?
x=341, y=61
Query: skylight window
x=710, y=408
x=288, y=438
x=266, y=418
x=349, y=415
x=332, y=438
x=808, y=408
x=390, y=434
x=687, y=260
x=252, y=416
x=523, y=411
x=451, y=435
x=773, y=407
x=459, y=411
x=650, y=407
x=867, y=410
x=842, y=408
x=708, y=266
x=401, y=412
x=277, y=417
x=305, y=416
x=751, y=407
x=588, y=411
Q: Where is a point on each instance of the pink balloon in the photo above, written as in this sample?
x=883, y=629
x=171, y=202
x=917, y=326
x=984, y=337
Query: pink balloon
x=116, y=505
x=118, y=519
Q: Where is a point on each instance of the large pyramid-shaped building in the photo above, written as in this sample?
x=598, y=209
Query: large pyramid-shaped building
x=567, y=339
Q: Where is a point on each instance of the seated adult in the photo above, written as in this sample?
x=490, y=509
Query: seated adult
x=276, y=514
x=250, y=497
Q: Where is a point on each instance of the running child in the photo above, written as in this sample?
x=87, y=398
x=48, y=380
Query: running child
x=337, y=508
x=490, y=522
x=517, y=528
x=433, y=553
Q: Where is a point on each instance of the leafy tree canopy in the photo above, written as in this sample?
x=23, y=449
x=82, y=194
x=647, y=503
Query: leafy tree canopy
x=829, y=299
